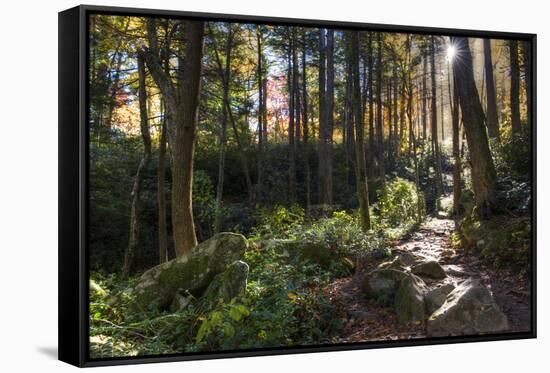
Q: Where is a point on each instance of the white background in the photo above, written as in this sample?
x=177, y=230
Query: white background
x=28, y=184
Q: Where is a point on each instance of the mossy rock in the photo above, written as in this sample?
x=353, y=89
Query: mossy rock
x=409, y=300
x=468, y=310
x=382, y=284
x=430, y=269
x=396, y=263
x=229, y=284
x=298, y=252
x=191, y=273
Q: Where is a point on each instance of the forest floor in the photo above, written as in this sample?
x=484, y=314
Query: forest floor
x=365, y=320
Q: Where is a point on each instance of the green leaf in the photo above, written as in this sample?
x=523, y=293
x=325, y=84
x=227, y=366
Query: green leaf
x=228, y=330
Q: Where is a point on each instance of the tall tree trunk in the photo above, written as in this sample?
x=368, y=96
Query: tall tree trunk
x=291, y=122
x=483, y=170
x=457, y=183
x=528, y=82
x=330, y=114
x=370, y=154
x=424, y=98
x=225, y=75
x=395, y=118
x=435, y=138
x=492, y=113
x=379, y=128
x=259, y=191
x=514, y=86
x=360, y=167
x=325, y=192
x=161, y=197
x=182, y=101
x=138, y=181
x=306, y=124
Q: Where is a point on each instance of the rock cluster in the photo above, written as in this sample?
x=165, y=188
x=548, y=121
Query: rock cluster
x=417, y=293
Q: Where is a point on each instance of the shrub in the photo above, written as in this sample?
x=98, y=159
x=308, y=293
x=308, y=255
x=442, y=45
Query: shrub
x=398, y=202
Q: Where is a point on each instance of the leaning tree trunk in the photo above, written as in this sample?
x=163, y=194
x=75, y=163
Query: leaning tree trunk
x=492, y=113
x=514, y=86
x=483, y=169
x=138, y=181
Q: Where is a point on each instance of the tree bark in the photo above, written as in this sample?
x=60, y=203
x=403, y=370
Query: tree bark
x=225, y=76
x=360, y=167
x=435, y=139
x=492, y=113
x=483, y=170
x=379, y=128
x=528, y=82
x=138, y=180
x=182, y=101
x=514, y=86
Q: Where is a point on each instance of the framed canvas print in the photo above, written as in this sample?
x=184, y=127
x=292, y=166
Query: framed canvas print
x=236, y=186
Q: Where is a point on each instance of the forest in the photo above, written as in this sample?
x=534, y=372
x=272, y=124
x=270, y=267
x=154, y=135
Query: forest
x=267, y=186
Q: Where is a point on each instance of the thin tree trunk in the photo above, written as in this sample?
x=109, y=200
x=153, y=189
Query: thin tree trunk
x=306, y=124
x=528, y=82
x=161, y=197
x=435, y=138
x=291, y=123
x=138, y=180
x=225, y=75
x=379, y=128
x=492, y=114
x=370, y=158
x=259, y=191
x=330, y=114
x=360, y=167
x=514, y=86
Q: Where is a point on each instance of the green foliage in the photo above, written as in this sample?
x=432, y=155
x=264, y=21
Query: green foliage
x=398, y=202
x=512, y=154
x=280, y=221
x=503, y=242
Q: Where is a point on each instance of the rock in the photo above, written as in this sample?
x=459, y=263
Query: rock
x=192, y=272
x=180, y=302
x=448, y=253
x=396, y=263
x=409, y=300
x=430, y=269
x=407, y=258
x=382, y=284
x=468, y=310
x=436, y=297
x=229, y=284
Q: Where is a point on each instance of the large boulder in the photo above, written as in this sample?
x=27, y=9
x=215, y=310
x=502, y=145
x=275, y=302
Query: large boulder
x=382, y=284
x=437, y=296
x=468, y=310
x=409, y=300
x=229, y=284
x=429, y=269
x=190, y=273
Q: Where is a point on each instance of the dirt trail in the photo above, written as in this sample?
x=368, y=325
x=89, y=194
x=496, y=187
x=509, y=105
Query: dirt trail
x=366, y=321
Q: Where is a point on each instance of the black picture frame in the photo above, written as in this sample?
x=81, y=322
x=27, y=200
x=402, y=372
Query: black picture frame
x=73, y=184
